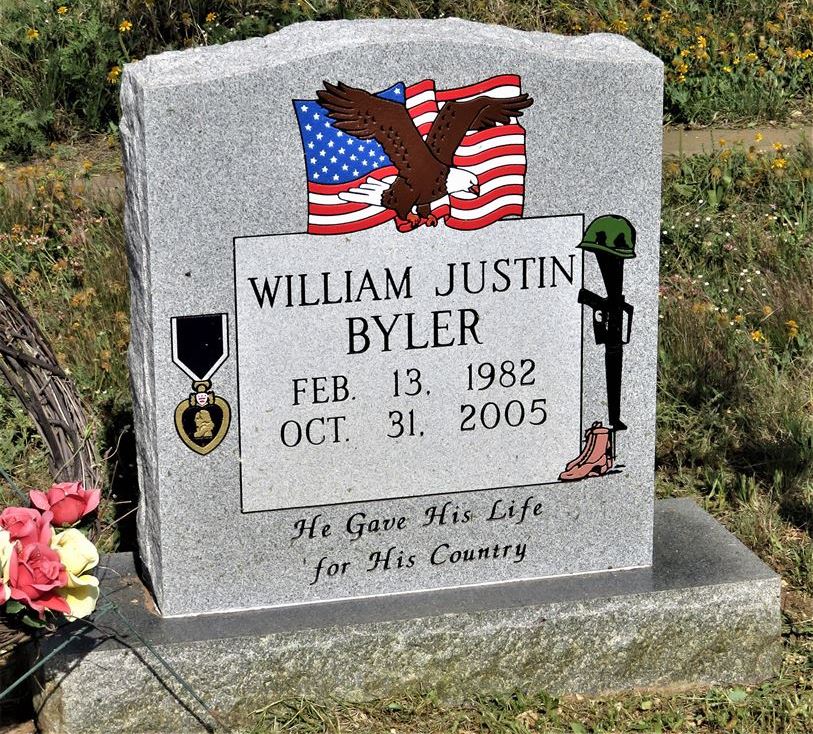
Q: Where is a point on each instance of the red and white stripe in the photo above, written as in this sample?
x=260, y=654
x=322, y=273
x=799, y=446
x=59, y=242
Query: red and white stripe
x=496, y=155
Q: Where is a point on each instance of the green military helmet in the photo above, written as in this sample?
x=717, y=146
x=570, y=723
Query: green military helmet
x=612, y=234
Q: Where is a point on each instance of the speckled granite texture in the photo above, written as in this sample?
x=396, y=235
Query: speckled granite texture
x=706, y=612
x=212, y=152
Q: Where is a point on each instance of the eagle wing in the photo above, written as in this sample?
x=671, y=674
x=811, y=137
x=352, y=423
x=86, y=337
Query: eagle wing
x=455, y=119
x=366, y=116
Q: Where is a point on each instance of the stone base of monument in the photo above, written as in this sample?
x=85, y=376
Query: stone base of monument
x=706, y=613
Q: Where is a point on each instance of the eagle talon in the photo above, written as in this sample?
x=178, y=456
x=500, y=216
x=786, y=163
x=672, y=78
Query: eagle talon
x=431, y=221
x=413, y=220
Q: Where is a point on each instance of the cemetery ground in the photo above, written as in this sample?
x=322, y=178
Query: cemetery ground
x=735, y=407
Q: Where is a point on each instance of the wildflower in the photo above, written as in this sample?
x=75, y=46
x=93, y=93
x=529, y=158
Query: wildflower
x=647, y=17
x=779, y=162
x=758, y=136
x=32, y=34
x=766, y=311
x=681, y=78
x=778, y=147
x=793, y=328
x=751, y=57
x=62, y=9
x=125, y=26
x=727, y=69
x=211, y=17
x=619, y=25
x=114, y=74
x=757, y=336
x=701, y=42
x=87, y=165
x=739, y=318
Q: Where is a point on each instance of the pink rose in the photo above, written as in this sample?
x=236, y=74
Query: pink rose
x=68, y=501
x=26, y=525
x=35, y=574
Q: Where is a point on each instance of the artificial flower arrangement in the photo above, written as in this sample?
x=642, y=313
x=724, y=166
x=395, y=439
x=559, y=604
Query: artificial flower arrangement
x=45, y=561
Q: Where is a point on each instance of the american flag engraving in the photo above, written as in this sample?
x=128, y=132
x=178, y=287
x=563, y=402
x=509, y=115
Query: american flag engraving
x=414, y=154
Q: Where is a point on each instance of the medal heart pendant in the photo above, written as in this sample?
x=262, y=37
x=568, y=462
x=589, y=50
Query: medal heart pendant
x=203, y=427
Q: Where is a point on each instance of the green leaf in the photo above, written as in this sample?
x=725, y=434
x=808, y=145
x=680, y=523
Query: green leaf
x=33, y=622
x=13, y=606
x=646, y=705
x=737, y=695
x=683, y=189
x=577, y=728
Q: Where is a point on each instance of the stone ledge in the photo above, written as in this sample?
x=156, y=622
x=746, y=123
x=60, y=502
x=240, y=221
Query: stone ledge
x=707, y=612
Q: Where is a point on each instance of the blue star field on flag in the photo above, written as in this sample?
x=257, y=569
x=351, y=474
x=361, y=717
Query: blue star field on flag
x=333, y=156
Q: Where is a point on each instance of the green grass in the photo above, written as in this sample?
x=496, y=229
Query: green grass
x=782, y=705
x=726, y=60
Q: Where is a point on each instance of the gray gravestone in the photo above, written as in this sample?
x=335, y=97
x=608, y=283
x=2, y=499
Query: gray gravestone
x=368, y=364
x=320, y=413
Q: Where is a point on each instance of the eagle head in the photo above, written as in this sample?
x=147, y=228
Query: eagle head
x=462, y=183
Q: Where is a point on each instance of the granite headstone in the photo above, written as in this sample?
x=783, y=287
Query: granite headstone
x=394, y=310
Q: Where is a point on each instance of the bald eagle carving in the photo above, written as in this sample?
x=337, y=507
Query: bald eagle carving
x=425, y=167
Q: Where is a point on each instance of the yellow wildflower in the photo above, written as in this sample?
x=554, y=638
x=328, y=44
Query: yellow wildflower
x=779, y=162
x=62, y=9
x=647, y=17
x=757, y=336
x=87, y=165
x=701, y=42
x=727, y=69
x=114, y=74
x=751, y=57
x=739, y=318
x=32, y=34
x=125, y=26
x=211, y=17
x=758, y=136
x=778, y=147
x=766, y=311
x=793, y=328
x=619, y=25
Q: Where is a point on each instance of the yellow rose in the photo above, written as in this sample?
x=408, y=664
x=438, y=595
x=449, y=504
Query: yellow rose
x=79, y=556
x=6, y=549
